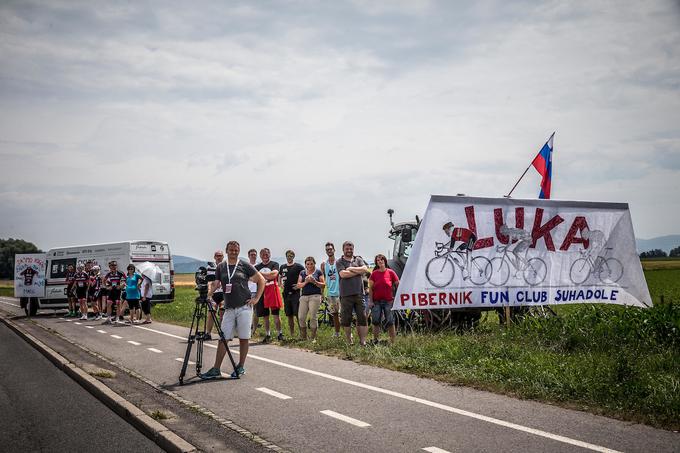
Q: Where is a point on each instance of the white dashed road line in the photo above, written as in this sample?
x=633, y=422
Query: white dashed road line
x=101, y=331
x=116, y=337
x=134, y=343
x=273, y=393
x=89, y=327
x=435, y=450
x=344, y=418
x=179, y=359
x=157, y=351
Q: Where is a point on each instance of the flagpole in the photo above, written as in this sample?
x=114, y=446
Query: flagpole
x=525, y=171
x=520, y=178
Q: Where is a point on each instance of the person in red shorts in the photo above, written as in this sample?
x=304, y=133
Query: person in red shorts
x=381, y=286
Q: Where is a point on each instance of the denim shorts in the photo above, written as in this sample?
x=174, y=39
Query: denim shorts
x=380, y=307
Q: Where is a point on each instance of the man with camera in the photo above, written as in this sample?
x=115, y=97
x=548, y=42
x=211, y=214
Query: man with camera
x=233, y=275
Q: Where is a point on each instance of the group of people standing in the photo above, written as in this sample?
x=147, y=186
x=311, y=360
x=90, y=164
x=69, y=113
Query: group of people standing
x=87, y=287
x=246, y=291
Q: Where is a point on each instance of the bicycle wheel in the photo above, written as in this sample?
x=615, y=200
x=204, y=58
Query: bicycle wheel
x=579, y=271
x=535, y=271
x=611, y=271
x=500, y=271
x=440, y=271
x=480, y=270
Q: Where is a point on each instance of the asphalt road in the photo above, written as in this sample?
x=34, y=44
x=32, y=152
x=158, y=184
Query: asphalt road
x=307, y=402
x=45, y=410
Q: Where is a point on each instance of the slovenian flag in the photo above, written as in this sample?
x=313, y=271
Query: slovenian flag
x=543, y=165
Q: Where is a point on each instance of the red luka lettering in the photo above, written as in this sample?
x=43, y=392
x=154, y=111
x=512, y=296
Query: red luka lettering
x=481, y=243
x=543, y=231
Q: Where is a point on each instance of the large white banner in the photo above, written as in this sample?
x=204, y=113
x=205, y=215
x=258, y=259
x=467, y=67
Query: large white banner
x=29, y=275
x=493, y=252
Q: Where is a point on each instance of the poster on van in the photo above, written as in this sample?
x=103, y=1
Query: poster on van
x=495, y=252
x=29, y=275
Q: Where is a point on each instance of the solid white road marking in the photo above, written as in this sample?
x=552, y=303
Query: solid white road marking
x=179, y=359
x=89, y=327
x=273, y=393
x=79, y=323
x=7, y=303
x=116, y=337
x=344, y=418
x=444, y=407
x=435, y=450
x=101, y=331
x=157, y=351
x=134, y=343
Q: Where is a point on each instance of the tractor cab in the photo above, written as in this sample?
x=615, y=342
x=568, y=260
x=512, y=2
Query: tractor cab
x=404, y=235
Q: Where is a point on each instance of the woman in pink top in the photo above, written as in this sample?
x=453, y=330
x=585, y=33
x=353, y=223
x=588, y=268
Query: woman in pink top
x=381, y=286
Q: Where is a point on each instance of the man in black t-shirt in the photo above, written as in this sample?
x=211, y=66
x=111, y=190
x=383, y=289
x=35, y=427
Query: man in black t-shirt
x=288, y=277
x=233, y=275
x=270, y=271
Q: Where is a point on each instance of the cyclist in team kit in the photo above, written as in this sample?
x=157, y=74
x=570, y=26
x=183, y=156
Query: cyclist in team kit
x=114, y=281
x=80, y=282
x=94, y=291
x=70, y=273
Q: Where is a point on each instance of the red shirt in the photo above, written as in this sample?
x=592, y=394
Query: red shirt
x=382, y=284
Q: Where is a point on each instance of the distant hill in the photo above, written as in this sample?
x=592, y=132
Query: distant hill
x=665, y=243
x=186, y=264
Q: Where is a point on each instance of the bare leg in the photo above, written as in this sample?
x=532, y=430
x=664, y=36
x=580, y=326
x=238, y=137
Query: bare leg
x=392, y=333
x=376, y=332
x=266, y=325
x=303, y=332
x=363, y=331
x=243, y=346
x=313, y=335
x=348, y=334
x=277, y=323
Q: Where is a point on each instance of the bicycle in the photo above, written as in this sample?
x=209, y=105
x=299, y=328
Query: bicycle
x=441, y=269
x=608, y=270
x=533, y=270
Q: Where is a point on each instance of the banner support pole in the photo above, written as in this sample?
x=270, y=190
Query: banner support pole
x=506, y=309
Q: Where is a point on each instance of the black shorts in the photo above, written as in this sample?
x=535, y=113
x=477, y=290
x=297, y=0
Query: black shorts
x=133, y=304
x=291, y=303
x=81, y=292
x=218, y=297
x=261, y=310
x=114, y=295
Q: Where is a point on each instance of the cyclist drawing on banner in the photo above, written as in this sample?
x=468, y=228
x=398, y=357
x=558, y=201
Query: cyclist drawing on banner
x=533, y=270
x=441, y=269
x=595, y=261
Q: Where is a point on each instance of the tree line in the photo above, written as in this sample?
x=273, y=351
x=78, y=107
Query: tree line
x=658, y=253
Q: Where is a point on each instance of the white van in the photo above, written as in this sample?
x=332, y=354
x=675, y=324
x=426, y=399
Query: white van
x=135, y=252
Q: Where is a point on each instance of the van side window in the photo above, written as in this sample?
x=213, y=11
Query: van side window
x=58, y=268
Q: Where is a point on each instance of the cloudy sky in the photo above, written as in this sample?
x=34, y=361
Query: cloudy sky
x=286, y=124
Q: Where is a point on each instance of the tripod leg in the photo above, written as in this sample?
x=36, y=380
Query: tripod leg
x=190, y=342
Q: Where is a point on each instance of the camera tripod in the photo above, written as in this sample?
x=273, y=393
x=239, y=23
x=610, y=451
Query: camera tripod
x=202, y=310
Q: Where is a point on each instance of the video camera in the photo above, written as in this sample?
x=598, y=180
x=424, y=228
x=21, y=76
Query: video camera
x=203, y=276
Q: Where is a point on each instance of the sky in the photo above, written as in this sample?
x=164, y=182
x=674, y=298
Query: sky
x=291, y=123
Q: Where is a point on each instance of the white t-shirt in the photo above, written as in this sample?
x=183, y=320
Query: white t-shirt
x=147, y=288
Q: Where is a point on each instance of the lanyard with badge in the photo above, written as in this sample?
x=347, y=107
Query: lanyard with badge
x=227, y=287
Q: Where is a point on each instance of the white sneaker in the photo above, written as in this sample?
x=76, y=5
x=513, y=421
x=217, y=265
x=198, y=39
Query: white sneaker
x=83, y=318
